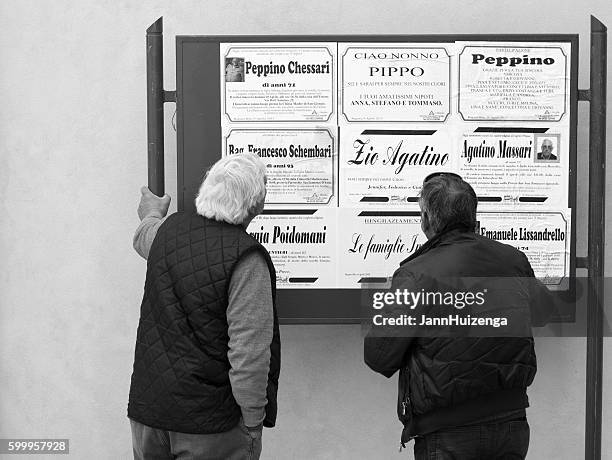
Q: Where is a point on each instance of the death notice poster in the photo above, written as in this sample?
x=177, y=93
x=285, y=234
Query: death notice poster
x=394, y=83
x=301, y=245
x=300, y=163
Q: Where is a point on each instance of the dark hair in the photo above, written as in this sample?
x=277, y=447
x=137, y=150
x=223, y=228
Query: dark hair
x=448, y=200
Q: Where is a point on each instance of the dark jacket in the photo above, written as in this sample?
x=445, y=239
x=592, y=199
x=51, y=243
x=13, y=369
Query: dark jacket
x=181, y=380
x=453, y=381
x=550, y=158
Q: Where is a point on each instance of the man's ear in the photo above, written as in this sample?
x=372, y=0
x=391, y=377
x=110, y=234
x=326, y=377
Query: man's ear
x=424, y=222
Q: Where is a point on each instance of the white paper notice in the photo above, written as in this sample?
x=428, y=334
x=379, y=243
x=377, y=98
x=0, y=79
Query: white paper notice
x=544, y=237
x=516, y=169
x=302, y=247
x=518, y=82
x=278, y=83
x=300, y=163
x=373, y=243
x=387, y=166
x=394, y=83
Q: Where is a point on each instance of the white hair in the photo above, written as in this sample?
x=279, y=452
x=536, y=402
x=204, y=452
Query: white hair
x=233, y=190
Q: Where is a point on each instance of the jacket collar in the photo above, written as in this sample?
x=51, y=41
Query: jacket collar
x=435, y=240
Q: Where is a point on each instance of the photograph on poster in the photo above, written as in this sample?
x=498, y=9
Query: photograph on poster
x=549, y=151
x=234, y=69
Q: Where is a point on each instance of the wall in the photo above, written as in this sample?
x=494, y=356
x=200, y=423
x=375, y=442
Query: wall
x=72, y=159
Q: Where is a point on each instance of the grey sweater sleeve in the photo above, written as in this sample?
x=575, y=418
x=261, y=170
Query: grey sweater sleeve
x=145, y=233
x=250, y=319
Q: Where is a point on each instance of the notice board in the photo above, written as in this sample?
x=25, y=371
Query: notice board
x=349, y=126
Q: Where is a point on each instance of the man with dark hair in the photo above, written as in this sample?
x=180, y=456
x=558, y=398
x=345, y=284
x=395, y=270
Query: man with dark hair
x=447, y=200
x=461, y=396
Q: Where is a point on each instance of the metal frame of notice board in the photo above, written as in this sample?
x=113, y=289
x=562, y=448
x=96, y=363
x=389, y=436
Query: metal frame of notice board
x=199, y=140
x=199, y=137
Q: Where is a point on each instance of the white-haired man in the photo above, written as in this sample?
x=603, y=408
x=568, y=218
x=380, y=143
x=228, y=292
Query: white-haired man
x=207, y=357
x=547, y=151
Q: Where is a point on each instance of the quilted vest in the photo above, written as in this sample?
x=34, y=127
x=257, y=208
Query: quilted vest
x=180, y=380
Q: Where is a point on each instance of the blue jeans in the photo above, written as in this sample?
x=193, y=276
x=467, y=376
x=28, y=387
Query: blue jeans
x=236, y=444
x=495, y=441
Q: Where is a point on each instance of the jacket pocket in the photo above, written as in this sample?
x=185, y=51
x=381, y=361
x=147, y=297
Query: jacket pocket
x=404, y=405
x=405, y=415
